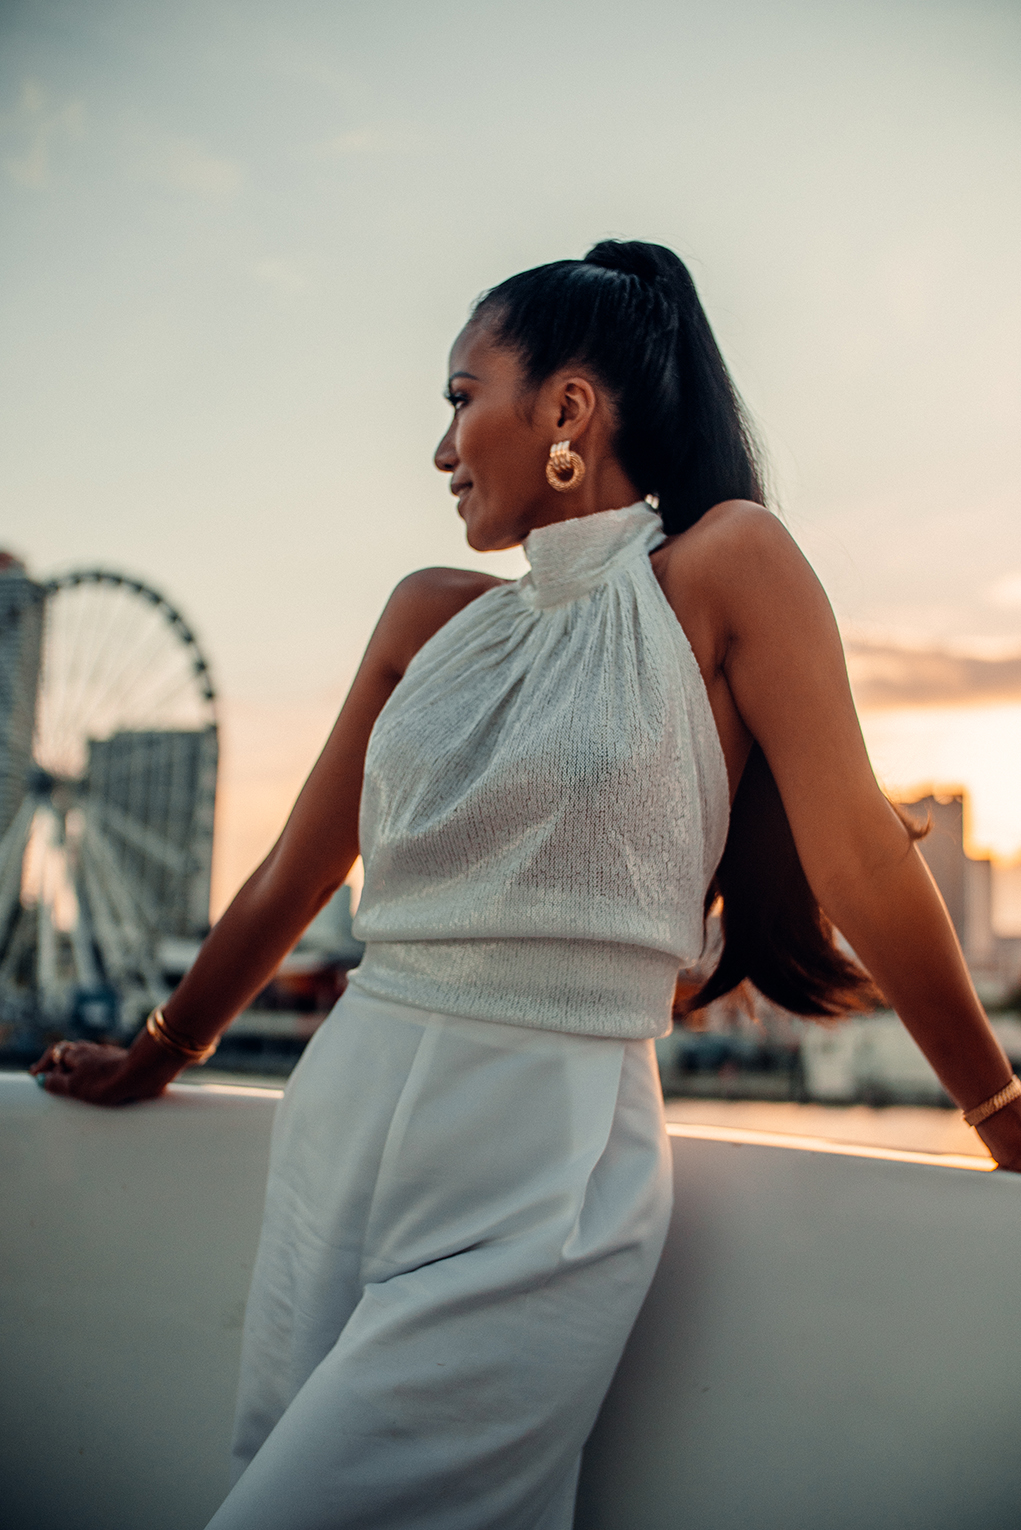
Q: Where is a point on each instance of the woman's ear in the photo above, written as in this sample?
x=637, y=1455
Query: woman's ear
x=576, y=400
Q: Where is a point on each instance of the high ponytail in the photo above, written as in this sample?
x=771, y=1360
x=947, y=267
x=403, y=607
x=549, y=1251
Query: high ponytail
x=629, y=311
x=698, y=437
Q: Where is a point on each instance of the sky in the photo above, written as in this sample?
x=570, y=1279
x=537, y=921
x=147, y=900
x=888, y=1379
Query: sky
x=240, y=238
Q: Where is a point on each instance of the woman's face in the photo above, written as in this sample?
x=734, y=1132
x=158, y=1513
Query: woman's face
x=498, y=444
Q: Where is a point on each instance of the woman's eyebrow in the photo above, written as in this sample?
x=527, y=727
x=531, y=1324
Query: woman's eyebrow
x=450, y=379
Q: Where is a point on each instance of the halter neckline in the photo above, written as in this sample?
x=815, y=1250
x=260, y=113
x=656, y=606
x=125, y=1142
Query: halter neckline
x=567, y=559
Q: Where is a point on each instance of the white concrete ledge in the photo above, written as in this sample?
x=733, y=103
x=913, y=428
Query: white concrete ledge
x=832, y=1341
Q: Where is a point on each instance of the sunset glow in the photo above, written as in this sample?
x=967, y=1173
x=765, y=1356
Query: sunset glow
x=916, y=750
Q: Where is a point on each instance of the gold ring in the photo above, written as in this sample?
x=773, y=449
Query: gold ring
x=57, y=1052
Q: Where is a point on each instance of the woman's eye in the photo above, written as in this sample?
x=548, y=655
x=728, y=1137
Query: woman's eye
x=455, y=400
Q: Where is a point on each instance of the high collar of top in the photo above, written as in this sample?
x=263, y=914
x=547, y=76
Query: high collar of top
x=569, y=558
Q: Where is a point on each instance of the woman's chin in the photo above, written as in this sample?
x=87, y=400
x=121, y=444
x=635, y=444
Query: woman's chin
x=480, y=538
x=491, y=529
x=477, y=541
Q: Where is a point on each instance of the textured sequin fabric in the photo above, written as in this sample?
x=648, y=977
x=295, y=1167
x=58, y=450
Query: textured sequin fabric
x=545, y=798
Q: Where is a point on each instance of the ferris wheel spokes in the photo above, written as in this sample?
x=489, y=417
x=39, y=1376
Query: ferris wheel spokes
x=126, y=926
x=51, y=990
x=110, y=845
x=12, y=858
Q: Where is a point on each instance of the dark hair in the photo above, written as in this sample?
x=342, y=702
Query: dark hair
x=629, y=312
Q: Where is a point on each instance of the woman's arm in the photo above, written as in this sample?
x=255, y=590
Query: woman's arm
x=307, y=864
x=781, y=657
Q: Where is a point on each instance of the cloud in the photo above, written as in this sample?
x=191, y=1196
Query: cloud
x=41, y=127
x=190, y=167
x=886, y=675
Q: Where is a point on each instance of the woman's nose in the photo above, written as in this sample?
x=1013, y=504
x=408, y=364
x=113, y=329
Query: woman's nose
x=445, y=457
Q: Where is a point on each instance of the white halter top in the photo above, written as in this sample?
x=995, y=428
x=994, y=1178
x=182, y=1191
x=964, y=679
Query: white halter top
x=545, y=798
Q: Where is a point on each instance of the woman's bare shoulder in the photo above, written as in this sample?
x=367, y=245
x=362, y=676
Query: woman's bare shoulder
x=425, y=601
x=431, y=596
x=735, y=547
x=459, y=585
x=736, y=528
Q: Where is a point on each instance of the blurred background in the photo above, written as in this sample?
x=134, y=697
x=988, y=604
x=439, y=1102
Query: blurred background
x=240, y=238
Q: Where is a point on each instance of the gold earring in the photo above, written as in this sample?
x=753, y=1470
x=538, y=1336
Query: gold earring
x=562, y=460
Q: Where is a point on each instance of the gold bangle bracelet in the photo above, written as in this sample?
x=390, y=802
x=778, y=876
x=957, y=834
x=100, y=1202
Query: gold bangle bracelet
x=163, y=1035
x=1011, y=1091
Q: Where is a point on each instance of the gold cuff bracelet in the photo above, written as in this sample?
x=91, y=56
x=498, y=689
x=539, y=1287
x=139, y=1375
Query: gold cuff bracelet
x=1011, y=1091
x=165, y=1037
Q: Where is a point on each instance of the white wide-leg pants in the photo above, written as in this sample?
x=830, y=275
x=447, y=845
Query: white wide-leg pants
x=462, y=1220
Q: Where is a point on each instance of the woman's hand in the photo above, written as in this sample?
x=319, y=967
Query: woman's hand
x=101, y=1074
x=1001, y=1134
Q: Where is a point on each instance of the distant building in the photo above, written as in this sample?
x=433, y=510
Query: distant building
x=982, y=946
x=966, y=885
x=153, y=796
x=21, y=628
x=943, y=850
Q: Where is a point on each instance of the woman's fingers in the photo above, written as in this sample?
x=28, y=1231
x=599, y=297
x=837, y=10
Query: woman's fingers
x=54, y=1070
x=66, y=1055
x=51, y=1059
x=61, y=1057
x=56, y=1082
x=83, y=1070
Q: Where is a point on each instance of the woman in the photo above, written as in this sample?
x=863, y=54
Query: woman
x=469, y=1189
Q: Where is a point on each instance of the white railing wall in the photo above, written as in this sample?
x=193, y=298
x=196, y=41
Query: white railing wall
x=832, y=1342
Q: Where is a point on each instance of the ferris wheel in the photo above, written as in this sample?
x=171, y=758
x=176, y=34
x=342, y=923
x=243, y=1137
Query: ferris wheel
x=108, y=758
